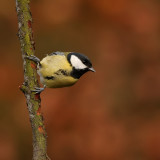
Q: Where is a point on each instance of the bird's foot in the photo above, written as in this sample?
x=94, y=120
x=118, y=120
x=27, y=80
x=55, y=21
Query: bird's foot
x=33, y=58
x=38, y=90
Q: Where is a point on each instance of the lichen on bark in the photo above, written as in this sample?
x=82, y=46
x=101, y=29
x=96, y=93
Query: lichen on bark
x=33, y=100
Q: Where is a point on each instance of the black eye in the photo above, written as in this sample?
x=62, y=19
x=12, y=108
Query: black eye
x=84, y=62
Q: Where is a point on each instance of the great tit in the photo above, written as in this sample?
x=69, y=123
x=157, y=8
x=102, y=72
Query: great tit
x=61, y=69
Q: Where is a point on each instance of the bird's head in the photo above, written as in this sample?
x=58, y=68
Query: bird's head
x=80, y=63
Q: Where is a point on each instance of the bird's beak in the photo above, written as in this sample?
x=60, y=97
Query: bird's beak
x=92, y=69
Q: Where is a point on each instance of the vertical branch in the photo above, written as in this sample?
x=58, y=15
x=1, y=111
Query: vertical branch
x=25, y=35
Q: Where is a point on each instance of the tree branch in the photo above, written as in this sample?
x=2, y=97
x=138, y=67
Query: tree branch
x=25, y=35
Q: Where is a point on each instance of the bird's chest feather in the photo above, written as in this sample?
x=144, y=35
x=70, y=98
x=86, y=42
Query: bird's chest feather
x=59, y=81
x=55, y=72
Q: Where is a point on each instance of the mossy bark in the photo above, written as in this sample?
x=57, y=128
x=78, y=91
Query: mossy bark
x=25, y=35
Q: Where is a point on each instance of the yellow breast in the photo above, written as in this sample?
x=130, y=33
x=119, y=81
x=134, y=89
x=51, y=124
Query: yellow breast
x=50, y=66
x=60, y=82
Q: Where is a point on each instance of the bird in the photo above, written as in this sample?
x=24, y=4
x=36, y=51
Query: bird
x=61, y=69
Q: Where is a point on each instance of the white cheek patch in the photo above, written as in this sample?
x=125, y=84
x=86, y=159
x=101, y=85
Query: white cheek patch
x=77, y=63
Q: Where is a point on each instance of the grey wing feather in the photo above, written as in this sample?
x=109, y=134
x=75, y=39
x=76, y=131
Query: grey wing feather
x=56, y=53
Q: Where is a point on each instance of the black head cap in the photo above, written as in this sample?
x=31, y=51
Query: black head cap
x=80, y=63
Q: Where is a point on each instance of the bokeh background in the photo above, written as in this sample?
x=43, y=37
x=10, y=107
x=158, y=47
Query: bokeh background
x=113, y=114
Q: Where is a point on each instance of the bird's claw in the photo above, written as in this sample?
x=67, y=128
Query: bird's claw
x=33, y=58
x=37, y=90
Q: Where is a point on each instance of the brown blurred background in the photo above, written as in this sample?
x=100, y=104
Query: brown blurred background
x=113, y=114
